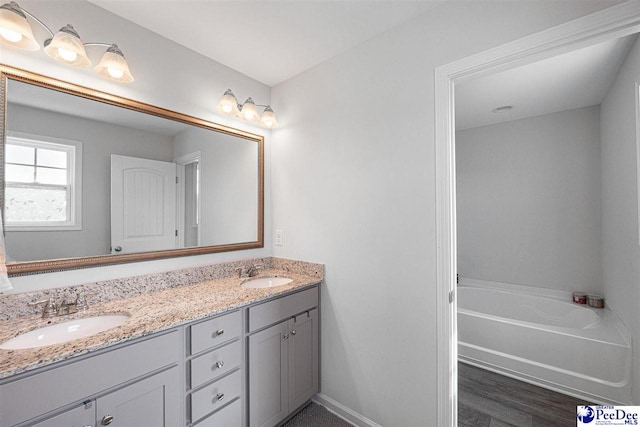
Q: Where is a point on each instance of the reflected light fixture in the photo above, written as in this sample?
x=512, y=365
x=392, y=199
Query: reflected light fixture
x=248, y=111
x=65, y=46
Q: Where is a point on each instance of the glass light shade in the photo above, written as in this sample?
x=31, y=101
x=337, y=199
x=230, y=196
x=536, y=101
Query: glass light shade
x=228, y=104
x=249, y=112
x=15, y=29
x=113, y=65
x=268, y=118
x=66, y=47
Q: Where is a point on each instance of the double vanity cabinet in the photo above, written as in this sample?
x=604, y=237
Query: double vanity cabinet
x=248, y=367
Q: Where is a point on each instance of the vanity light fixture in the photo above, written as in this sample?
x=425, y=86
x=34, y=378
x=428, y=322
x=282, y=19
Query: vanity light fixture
x=248, y=111
x=65, y=46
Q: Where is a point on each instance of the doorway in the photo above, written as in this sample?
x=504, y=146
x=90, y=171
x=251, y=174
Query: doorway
x=615, y=22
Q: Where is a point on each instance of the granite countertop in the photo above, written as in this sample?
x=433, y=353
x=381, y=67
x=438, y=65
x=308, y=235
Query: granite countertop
x=149, y=313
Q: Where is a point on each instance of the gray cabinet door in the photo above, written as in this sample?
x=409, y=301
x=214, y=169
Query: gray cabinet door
x=154, y=401
x=303, y=358
x=268, y=365
x=81, y=416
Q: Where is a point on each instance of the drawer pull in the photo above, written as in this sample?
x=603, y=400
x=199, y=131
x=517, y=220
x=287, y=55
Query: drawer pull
x=219, y=364
x=293, y=332
x=219, y=332
x=106, y=420
x=285, y=336
x=219, y=396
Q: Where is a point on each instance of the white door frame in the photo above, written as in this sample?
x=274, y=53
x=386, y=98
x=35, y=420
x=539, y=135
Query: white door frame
x=616, y=21
x=181, y=162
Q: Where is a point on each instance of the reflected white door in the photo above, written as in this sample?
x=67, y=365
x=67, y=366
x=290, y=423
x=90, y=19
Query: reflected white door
x=143, y=205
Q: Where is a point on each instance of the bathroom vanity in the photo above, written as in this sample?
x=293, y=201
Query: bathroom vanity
x=251, y=360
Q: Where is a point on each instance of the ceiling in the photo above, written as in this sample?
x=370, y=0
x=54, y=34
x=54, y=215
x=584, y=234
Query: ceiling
x=270, y=41
x=576, y=79
x=274, y=40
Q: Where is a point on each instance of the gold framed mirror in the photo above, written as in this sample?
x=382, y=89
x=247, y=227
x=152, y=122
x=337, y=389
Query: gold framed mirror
x=80, y=184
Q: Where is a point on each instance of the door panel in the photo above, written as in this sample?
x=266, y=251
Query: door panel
x=143, y=205
x=303, y=358
x=150, y=402
x=268, y=386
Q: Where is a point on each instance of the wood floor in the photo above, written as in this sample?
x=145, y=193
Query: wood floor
x=486, y=399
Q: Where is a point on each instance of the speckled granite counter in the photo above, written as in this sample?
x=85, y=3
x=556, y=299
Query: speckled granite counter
x=152, y=307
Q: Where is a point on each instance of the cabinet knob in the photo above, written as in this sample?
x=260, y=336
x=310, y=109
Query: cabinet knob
x=219, y=332
x=293, y=332
x=219, y=364
x=285, y=336
x=106, y=420
x=219, y=396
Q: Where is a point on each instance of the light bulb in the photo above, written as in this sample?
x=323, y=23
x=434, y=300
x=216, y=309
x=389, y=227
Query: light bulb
x=268, y=118
x=116, y=73
x=10, y=35
x=227, y=108
x=67, y=55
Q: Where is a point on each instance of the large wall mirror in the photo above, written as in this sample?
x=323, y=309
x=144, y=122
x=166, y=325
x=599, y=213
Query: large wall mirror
x=90, y=179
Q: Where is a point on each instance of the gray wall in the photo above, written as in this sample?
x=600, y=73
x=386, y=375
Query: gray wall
x=228, y=172
x=528, y=201
x=100, y=140
x=621, y=251
x=354, y=187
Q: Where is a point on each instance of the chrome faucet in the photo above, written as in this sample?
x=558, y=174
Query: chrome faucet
x=64, y=307
x=251, y=271
x=50, y=308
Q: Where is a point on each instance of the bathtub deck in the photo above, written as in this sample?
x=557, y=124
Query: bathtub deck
x=487, y=399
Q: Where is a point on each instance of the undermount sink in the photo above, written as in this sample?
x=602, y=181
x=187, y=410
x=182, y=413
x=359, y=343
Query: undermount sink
x=266, y=282
x=65, y=331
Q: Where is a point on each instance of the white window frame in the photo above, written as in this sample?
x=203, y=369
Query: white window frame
x=74, y=170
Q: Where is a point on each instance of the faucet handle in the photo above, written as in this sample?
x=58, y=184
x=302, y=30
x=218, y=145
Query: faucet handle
x=50, y=308
x=82, y=300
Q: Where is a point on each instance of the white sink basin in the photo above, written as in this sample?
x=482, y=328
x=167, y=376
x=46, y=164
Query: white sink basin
x=63, y=332
x=266, y=282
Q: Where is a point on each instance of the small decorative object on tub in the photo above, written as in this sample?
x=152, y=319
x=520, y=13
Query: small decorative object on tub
x=595, y=301
x=579, y=297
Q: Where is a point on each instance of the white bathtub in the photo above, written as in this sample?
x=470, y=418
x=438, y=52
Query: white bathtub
x=547, y=340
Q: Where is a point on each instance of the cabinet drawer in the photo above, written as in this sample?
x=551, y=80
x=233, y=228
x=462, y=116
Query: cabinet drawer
x=274, y=311
x=215, y=331
x=215, y=396
x=228, y=416
x=215, y=363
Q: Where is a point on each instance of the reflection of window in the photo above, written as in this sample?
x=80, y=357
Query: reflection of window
x=42, y=179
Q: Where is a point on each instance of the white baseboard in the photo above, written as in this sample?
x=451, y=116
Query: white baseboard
x=343, y=412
